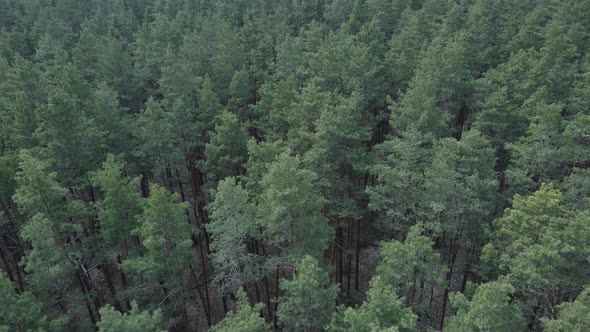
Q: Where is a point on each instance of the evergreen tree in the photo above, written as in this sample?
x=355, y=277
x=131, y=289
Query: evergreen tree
x=290, y=209
x=165, y=239
x=409, y=265
x=536, y=242
x=227, y=151
x=489, y=310
x=383, y=311
x=308, y=300
x=573, y=316
x=120, y=204
x=23, y=312
x=245, y=319
x=232, y=225
x=134, y=321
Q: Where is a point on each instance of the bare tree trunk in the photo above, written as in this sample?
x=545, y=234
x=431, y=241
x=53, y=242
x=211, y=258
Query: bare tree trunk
x=6, y=265
x=340, y=254
x=204, y=260
x=349, y=253
x=265, y=280
x=85, y=295
x=123, y=280
x=277, y=290
x=107, y=272
x=358, y=255
x=452, y=255
x=206, y=307
x=144, y=185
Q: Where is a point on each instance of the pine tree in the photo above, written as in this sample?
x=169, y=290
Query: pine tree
x=245, y=319
x=489, y=310
x=134, y=321
x=155, y=134
x=232, y=226
x=165, y=238
x=572, y=316
x=411, y=265
x=290, y=209
x=308, y=299
x=23, y=312
x=382, y=311
x=120, y=204
x=227, y=151
x=535, y=242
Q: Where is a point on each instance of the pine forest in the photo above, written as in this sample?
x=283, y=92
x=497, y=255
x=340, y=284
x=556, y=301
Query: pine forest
x=294, y=165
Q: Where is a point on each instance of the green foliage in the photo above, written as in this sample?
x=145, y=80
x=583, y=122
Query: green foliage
x=23, y=312
x=573, y=316
x=283, y=125
x=406, y=265
x=227, y=151
x=245, y=319
x=69, y=136
x=290, y=209
x=165, y=238
x=133, y=321
x=399, y=192
x=47, y=263
x=233, y=223
x=154, y=131
x=576, y=190
x=465, y=168
x=383, y=311
x=338, y=149
x=537, y=241
x=308, y=299
x=38, y=190
x=490, y=309
x=209, y=109
x=120, y=204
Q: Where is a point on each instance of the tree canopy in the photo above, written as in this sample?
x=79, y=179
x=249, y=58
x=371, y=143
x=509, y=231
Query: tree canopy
x=294, y=165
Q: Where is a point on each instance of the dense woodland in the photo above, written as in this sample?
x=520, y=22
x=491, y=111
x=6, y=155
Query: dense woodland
x=294, y=165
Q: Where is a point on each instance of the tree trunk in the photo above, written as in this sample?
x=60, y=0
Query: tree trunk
x=224, y=302
x=144, y=185
x=165, y=291
x=277, y=290
x=18, y=274
x=452, y=255
x=357, y=253
x=206, y=308
x=85, y=295
x=182, y=196
x=6, y=265
x=204, y=260
x=340, y=253
x=349, y=252
x=107, y=272
x=265, y=280
x=123, y=280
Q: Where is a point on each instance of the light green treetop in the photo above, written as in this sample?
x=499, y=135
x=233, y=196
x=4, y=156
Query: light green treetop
x=572, y=316
x=490, y=309
x=232, y=224
x=308, y=299
x=290, y=209
x=134, y=321
x=245, y=319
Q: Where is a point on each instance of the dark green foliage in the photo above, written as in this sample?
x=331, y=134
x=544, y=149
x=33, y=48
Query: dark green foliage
x=159, y=158
x=23, y=312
